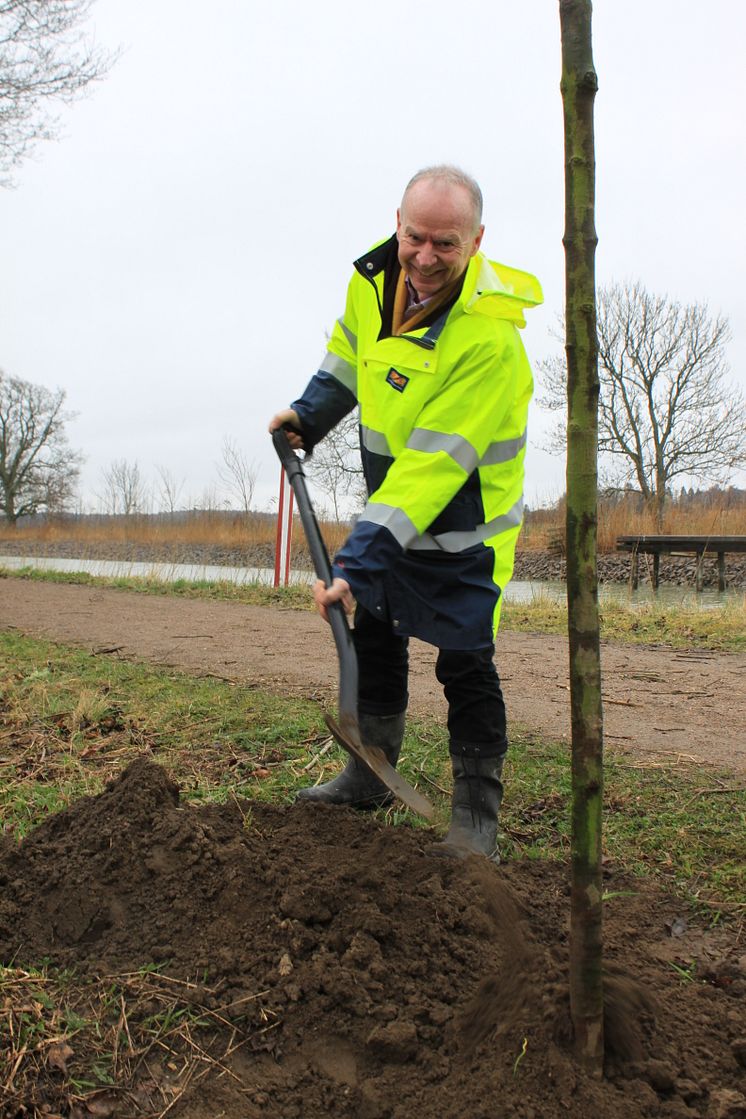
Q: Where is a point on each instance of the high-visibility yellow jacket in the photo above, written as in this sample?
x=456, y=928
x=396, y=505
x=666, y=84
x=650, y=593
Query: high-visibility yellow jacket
x=443, y=414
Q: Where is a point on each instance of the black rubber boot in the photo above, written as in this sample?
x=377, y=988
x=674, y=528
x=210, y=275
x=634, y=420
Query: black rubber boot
x=356, y=785
x=475, y=804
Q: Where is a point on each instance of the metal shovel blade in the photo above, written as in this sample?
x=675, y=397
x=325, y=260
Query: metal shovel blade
x=375, y=759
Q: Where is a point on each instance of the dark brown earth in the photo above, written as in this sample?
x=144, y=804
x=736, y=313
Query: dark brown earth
x=365, y=977
x=356, y=973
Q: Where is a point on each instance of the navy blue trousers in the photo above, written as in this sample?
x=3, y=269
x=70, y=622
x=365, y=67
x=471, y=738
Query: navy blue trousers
x=476, y=709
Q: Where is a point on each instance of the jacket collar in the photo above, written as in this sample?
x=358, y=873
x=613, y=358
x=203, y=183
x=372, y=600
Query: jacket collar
x=493, y=289
x=373, y=262
x=384, y=258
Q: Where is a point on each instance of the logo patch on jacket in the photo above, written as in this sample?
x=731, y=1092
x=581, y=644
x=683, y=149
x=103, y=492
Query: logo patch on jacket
x=397, y=380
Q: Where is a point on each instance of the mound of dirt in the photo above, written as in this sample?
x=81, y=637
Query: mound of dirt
x=367, y=976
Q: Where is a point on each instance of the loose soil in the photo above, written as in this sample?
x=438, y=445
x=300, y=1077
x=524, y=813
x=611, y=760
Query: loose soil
x=357, y=974
x=348, y=969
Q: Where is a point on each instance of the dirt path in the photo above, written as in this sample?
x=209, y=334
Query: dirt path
x=657, y=701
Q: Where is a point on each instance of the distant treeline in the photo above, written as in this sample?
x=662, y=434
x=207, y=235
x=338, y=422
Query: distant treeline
x=715, y=497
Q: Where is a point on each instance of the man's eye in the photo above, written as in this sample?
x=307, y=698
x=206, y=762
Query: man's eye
x=445, y=246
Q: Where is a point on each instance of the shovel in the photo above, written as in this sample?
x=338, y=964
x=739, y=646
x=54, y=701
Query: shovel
x=347, y=730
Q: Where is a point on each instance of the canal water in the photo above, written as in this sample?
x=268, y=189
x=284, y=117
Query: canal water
x=516, y=591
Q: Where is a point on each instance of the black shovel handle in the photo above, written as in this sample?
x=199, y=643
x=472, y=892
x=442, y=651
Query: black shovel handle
x=348, y=676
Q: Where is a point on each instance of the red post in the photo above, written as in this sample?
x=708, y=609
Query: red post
x=284, y=532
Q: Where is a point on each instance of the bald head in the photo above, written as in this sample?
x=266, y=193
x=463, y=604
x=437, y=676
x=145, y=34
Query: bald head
x=443, y=177
x=439, y=228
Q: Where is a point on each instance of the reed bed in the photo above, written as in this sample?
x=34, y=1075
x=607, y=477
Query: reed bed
x=174, y=538
x=254, y=533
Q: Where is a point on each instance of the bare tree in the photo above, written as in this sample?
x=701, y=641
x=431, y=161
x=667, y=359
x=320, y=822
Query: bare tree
x=124, y=489
x=666, y=409
x=335, y=468
x=238, y=474
x=169, y=489
x=206, y=502
x=45, y=59
x=38, y=470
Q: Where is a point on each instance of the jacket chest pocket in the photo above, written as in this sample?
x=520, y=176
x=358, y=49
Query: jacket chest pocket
x=396, y=378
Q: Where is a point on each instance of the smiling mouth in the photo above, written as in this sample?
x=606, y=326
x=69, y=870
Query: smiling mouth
x=427, y=275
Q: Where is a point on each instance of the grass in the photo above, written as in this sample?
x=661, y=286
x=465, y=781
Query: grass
x=82, y=718
x=684, y=625
x=121, y=1044
x=70, y=721
x=253, y=594
x=669, y=821
x=133, y=1043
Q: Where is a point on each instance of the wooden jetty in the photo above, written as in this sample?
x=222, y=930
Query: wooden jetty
x=700, y=546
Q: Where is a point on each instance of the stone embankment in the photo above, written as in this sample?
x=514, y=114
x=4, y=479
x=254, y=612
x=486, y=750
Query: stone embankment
x=531, y=566
x=676, y=571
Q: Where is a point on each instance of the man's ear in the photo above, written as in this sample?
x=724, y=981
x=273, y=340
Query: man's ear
x=398, y=223
x=477, y=241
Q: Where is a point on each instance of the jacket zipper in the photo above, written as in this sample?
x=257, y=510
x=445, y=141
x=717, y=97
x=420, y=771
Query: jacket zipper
x=425, y=343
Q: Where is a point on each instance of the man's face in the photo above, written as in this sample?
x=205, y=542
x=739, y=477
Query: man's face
x=435, y=230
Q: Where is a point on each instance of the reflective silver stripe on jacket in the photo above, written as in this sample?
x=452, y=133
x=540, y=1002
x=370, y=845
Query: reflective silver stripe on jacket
x=341, y=370
x=459, y=541
x=395, y=520
x=405, y=533
x=503, y=451
x=375, y=442
x=459, y=449
x=455, y=446
x=351, y=338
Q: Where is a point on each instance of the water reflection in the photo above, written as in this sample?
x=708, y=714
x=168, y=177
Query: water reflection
x=162, y=572
x=516, y=591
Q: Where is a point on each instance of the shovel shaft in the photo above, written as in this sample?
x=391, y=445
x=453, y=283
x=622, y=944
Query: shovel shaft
x=347, y=732
x=348, y=673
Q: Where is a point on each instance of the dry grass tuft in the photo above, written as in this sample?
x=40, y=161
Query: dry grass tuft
x=126, y=1044
x=723, y=516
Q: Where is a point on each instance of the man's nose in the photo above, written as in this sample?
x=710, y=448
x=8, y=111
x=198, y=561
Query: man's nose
x=426, y=254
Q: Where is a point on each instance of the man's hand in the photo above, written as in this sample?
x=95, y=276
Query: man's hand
x=339, y=591
x=288, y=416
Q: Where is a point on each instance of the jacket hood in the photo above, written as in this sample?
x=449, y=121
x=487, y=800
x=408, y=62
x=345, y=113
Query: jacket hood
x=499, y=291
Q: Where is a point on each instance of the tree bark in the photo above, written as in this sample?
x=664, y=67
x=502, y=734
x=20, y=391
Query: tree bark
x=579, y=84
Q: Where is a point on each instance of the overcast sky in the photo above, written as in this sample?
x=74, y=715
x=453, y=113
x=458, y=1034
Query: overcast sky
x=174, y=260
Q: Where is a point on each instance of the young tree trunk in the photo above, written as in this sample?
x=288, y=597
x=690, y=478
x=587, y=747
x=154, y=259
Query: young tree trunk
x=578, y=85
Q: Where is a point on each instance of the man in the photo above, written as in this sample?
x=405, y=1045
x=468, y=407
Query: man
x=428, y=346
